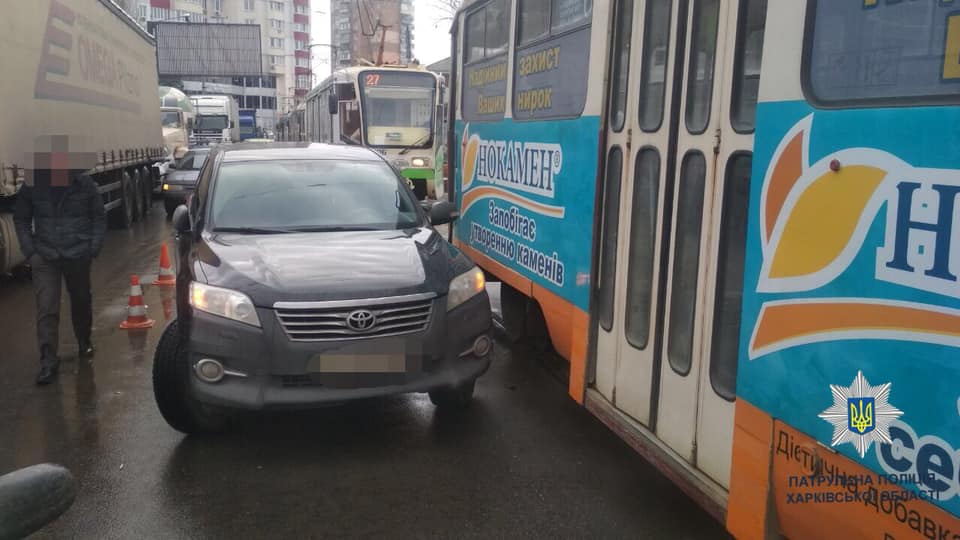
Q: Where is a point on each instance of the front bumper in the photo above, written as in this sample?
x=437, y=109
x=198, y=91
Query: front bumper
x=281, y=373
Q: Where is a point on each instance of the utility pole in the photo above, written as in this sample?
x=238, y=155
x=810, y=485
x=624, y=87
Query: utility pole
x=383, y=41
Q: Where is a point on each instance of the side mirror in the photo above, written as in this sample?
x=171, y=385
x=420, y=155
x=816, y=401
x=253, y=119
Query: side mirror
x=332, y=104
x=172, y=165
x=181, y=219
x=443, y=212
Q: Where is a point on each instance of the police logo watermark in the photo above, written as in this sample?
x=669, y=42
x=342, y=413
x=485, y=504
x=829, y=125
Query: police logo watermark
x=861, y=414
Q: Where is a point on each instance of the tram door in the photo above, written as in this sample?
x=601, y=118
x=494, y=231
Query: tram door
x=674, y=220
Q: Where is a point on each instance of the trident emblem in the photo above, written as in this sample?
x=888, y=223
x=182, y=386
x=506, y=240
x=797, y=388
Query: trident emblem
x=861, y=415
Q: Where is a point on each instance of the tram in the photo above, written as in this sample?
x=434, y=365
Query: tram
x=739, y=221
x=395, y=109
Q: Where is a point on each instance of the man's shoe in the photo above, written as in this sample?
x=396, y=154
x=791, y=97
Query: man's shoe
x=86, y=350
x=47, y=375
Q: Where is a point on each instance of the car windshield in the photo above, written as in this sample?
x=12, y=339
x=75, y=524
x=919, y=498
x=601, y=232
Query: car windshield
x=170, y=119
x=311, y=195
x=210, y=122
x=192, y=160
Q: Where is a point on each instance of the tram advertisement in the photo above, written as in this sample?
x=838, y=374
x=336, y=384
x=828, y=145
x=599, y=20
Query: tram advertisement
x=526, y=200
x=851, y=306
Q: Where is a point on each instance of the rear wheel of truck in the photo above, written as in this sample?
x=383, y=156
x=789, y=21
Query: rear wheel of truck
x=121, y=217
x=458, y=397
x=171, y=389
x=138, y=208
x=147, y=191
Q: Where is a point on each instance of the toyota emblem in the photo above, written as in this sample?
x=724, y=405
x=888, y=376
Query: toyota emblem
x=361, y=320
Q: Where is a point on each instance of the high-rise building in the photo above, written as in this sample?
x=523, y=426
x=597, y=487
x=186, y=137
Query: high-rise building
x=357, y=28
x=285, y=39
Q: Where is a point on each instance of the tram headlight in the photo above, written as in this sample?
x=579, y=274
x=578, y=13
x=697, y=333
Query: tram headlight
x=400, y=163
x=420, y=162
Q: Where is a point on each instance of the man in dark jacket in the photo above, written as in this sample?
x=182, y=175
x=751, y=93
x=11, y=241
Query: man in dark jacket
x=60, y=222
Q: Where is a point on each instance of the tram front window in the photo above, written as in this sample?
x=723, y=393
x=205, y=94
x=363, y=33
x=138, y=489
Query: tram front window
x=398, y=108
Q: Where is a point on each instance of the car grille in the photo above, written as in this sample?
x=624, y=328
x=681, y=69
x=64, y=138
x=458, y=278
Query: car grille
x=328, y=321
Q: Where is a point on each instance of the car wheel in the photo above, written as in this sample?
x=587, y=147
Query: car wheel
x=457, y=397
x=171, y=389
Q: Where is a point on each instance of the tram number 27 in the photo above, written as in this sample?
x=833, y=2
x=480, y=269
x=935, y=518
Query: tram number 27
x=373, y=79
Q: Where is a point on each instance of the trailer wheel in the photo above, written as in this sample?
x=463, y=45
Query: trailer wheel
x=171, y=388
x=122, y=216
x=147, y=191
x=139, y=210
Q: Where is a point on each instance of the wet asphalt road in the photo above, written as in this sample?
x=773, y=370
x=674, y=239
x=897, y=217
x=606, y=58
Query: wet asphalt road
x=524, y=461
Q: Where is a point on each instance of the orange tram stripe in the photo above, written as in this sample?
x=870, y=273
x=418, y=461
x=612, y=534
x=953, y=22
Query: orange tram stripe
x=781, y=322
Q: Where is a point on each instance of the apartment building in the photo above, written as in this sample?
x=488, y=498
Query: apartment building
x=285, y=38
x=355, y=32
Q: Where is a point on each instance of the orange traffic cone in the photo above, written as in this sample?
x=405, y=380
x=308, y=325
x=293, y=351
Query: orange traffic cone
x=166, y=277
x=136, y=311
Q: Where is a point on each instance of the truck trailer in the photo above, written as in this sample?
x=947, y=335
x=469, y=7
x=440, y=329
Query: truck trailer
x=86, y=85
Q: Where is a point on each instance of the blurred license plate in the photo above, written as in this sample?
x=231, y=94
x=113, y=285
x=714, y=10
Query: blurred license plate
x=359, y=363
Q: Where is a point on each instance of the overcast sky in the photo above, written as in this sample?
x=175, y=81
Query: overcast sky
x=430, y=42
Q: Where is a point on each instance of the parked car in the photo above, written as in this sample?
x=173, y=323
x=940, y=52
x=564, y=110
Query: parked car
x=309, y=275
x=181, y=178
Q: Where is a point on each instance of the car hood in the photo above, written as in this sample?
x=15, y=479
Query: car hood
x=179, y=176
x=330, y=265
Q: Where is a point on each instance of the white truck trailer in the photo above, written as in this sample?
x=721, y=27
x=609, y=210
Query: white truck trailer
x=82, y=81
x=217, y=120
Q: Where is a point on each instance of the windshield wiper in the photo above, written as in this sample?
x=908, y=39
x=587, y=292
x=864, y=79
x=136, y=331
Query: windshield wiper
x=332, y=228
x=419, y=141
x=251, y=230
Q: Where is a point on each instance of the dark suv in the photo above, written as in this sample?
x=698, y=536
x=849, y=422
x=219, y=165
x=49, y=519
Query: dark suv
x=309, y=274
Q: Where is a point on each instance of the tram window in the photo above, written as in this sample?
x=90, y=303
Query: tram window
x=653, y=75
x=534, y=20
x=497, y=27
x=542, y=18
x=890, y=52
x=746, y=64
x=567, y=14
x=726, y=310
x=474, y=37
x=621, y=65
x=487, y=31
x=686, y=261
x=702, y=55
x=643, y=233
x=610, y=232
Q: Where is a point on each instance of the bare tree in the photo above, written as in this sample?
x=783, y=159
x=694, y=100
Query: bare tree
x=445, y=10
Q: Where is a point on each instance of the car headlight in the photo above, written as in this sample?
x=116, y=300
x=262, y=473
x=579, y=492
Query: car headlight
x=464, y=287
x=420, y=162
x=223, y=302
